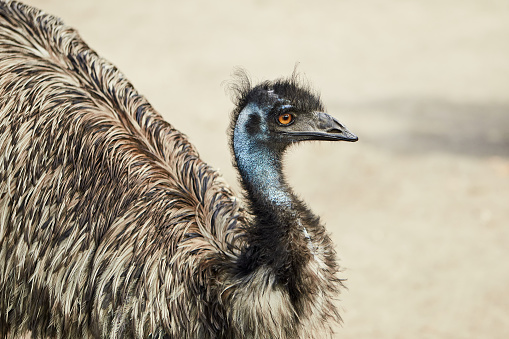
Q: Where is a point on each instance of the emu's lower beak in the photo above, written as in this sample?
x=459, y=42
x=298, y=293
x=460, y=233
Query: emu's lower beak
x=325, y=127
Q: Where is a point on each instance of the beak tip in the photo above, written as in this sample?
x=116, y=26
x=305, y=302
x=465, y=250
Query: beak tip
x=349, y=136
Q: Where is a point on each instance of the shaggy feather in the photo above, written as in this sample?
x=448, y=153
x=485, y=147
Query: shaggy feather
x=112, y=227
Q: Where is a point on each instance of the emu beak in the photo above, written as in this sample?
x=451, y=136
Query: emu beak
x=324, y=127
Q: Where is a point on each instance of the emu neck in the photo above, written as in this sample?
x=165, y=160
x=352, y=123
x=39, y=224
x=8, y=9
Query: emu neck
x=277, y=237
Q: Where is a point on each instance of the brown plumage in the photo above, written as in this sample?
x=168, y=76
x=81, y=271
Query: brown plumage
x=110, y=224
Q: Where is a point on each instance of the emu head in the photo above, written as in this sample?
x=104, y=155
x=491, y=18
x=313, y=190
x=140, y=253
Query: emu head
x=276, y=114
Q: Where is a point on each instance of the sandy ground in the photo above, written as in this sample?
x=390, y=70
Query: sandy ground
x=418, y=207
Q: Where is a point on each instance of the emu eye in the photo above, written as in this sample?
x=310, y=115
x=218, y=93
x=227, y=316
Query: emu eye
x=285, y=119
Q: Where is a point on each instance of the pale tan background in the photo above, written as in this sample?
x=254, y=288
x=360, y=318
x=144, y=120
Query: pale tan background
x=418, y=208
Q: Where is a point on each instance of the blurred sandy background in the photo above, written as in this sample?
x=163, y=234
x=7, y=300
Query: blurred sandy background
x=418, y=208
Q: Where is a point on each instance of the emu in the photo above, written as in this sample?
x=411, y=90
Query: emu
x=112, y=227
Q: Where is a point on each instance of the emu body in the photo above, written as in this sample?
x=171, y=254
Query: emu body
x=110, y=224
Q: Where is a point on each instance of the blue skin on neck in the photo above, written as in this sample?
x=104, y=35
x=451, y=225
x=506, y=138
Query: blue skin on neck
x=259, y=165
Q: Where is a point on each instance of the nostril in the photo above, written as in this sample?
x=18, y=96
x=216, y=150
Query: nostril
x=334, y=130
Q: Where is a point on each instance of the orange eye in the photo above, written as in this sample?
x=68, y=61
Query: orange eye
x=285, y=119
